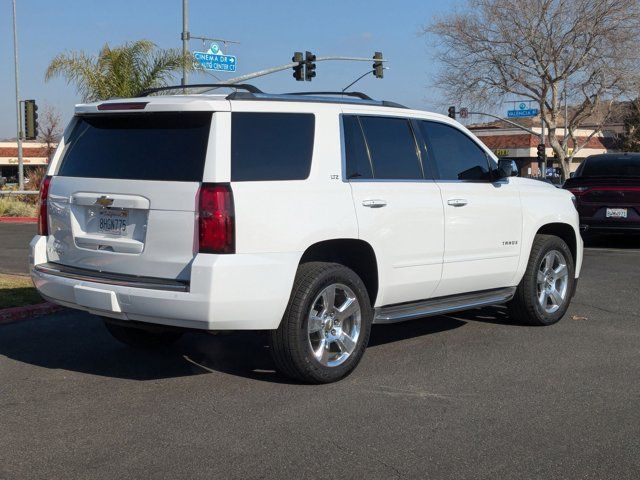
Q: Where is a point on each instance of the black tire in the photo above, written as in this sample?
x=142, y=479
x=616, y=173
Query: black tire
x=525, y=306
x=143, y=337
x=290, y=345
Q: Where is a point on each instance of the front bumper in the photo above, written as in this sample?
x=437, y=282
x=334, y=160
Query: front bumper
x=225, y=292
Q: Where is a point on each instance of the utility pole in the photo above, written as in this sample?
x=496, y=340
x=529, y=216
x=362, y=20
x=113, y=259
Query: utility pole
x=185, y=40
x=543, y=170
x=18, y=122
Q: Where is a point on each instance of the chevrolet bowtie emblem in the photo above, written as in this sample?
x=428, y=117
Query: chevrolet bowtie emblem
x=104, y=201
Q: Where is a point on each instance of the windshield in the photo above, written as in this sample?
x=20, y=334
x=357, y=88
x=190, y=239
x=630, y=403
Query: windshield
x=169, y=146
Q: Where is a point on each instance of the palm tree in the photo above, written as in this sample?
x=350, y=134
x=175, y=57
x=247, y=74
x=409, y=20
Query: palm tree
x=118, y=72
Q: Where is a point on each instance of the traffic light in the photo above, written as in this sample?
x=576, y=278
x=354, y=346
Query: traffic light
x=378, y=69
x=30, y=120
x=452, y=112
x=541, y=152
x=309, y=66
x=298, y=70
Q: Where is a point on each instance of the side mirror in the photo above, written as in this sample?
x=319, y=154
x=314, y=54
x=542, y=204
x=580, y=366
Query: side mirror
x=507, y=168
x=572, y=174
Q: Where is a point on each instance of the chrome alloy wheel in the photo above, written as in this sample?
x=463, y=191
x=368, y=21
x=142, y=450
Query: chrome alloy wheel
x=552, y=281
x=334, y=325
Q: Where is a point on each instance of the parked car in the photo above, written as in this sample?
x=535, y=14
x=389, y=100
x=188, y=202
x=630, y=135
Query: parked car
x=607, y=190
x=309, y=217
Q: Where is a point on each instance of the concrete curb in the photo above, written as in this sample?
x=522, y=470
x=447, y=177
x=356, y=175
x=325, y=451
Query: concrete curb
x=16, y=314
x=18, y=220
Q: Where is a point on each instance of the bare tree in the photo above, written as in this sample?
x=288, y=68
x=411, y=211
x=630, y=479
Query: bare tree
x=50, y=129
x=539, y=49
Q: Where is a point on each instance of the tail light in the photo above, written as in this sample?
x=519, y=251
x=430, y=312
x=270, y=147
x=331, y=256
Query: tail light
x=216, y=225
x=578, y=190
x=43, y=221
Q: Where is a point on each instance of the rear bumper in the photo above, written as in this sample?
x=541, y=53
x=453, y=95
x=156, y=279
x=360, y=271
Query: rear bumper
x=225, y=292
x=593, y=218
x=603, y=227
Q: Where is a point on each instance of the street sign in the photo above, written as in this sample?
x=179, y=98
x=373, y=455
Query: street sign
x=215, y=60
x=464, y=113
x=522, y=111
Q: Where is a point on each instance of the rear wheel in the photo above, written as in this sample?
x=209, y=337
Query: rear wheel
x=147, y=337
x=543, y=296
x=326, y=326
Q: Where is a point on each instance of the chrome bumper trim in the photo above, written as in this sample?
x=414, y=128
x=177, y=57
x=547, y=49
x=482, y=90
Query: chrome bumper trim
x=95, y=276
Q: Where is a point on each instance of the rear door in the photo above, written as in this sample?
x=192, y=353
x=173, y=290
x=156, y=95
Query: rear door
x=399, y=210
x=124, y=195
x=483, y=218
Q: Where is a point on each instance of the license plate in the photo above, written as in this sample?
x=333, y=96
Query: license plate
x=616, y=213
x=113, y=222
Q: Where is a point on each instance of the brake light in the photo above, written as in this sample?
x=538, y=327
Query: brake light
x=216, y=225
x=578, y=190
x=123, y=106
x=43, y=222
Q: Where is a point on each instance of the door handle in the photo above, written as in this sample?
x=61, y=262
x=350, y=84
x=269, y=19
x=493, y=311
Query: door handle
x=374, y=203
x=457, y=202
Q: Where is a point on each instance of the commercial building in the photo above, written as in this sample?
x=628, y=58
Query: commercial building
x=507, y=141
x=34, y=154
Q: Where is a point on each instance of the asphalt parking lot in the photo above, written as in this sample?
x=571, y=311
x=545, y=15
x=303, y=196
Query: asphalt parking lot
x=466, y=396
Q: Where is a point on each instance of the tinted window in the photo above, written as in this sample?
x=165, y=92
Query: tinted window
x=392, y=148
x=456, y=156
x=271, y=146
x=611, y=167
x=357, y=158
x=144, y=146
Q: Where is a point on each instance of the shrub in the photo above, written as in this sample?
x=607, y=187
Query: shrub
x=12, y=207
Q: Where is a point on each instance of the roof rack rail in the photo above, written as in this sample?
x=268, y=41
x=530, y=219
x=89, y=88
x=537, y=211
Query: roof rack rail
x=360, y=95
x=240, y=86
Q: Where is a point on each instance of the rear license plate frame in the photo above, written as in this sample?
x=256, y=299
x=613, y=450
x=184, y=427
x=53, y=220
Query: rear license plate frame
x=617, y=213
x=113, y=221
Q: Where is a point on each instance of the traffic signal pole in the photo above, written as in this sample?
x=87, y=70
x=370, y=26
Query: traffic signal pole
x=18, y=116
x=287, y=66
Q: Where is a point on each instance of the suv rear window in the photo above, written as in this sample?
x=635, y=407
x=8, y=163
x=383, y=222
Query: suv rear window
x=271, y=146
x=168, y=146
x=611, y=167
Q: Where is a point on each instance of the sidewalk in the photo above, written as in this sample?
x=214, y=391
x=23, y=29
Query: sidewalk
x=18, y=220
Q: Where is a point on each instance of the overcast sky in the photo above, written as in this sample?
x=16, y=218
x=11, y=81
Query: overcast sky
x=269, y=33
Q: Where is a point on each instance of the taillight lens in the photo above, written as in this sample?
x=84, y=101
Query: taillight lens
x=578, y=190
x=43, y=222
x=216, y=226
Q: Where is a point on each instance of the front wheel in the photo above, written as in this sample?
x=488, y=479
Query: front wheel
x=543, y=296
x=326, y=326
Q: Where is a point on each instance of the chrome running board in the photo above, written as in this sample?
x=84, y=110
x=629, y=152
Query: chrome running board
x=437, y=306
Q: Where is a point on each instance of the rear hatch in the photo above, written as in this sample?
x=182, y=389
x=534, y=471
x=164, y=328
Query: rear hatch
x=124, y=197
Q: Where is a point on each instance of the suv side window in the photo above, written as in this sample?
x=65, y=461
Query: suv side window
x=393, y=149
x=456, y=156
x=271, y=146
x=355, y=149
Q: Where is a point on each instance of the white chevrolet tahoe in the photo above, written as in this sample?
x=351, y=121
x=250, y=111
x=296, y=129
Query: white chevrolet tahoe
x=312, y=217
